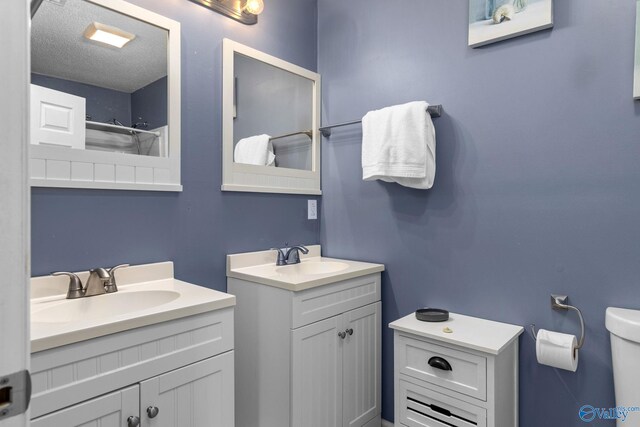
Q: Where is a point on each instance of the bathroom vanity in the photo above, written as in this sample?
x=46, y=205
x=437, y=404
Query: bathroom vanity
x=308, y=341
x=461, y=372
x=159, y=352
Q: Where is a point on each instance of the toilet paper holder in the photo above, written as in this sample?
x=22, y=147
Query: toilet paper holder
x=560, y=302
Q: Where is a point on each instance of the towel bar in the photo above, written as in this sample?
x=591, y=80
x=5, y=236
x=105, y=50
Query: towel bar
x=303, y=132
x=433, y=110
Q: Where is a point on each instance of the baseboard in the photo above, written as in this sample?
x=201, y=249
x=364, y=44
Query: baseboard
x=386, y=423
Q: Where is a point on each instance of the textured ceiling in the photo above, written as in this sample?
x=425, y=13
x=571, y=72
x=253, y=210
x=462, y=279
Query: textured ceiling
x=59, y=49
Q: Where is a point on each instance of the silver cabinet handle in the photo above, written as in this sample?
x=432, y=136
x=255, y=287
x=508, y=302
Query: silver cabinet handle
x=342, y=335
x=133, y=421
x=152, y=411
x=349, y=331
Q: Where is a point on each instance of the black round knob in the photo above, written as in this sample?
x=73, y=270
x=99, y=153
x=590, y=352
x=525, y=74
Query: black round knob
x=133, y=421
x=152, y=411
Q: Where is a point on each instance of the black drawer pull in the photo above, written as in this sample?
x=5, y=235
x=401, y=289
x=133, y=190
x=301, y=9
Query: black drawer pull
x=440, y=363
x=440, y=410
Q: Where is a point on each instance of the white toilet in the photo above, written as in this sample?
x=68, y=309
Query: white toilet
x=624, y=325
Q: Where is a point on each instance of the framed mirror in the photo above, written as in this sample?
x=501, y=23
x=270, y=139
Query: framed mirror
x=105, y=97
x=271, y=115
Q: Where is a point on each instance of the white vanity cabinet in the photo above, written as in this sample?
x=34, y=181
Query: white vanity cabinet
x=200, y=394
x=308, y=358
x=184, y=368
x=462, y=372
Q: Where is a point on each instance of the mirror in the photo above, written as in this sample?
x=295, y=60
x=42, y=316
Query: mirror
x=105, y=106
x=271, y=117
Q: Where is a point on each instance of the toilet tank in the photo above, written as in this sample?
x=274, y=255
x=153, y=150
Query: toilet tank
x=624, y=326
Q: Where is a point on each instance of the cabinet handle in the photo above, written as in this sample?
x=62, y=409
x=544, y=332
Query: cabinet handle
x=349, y=331
x=133, y=421
x=440, y=363
x=152, y=411
x=440, y=410
x=342, y=335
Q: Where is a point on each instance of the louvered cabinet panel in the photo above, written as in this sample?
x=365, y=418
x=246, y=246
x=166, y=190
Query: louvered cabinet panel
x=197, y=395
x=316, y=395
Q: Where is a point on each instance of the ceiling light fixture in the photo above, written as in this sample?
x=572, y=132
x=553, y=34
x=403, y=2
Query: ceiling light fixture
x=109, y=35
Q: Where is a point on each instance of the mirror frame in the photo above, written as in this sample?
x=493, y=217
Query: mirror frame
x=264, y=179
x=130, y=172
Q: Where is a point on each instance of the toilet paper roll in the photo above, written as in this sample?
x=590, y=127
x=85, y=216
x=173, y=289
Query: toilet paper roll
x=556, y=349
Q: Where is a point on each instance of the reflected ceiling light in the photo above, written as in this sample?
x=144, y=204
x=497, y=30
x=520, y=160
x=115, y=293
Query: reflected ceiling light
x=254, y=7
x=245, y=11
x=109, y=35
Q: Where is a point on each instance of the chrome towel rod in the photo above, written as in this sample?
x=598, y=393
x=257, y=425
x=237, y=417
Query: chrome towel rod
x=433, y=110
x=303, y=132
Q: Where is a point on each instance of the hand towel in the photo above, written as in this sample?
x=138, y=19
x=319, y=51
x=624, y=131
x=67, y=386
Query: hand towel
x=255, y=150
x=399, y=145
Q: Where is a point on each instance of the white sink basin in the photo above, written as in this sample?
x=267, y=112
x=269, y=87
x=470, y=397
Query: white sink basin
x=310, y=268
x=102, y=306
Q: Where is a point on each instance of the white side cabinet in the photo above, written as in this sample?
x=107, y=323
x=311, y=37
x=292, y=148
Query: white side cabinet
x=177, y=373
x=462, y=372
x=309, y=358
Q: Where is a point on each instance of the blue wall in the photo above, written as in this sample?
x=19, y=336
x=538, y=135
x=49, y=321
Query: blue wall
x=537, y=183
x=150, y=104
x=80, y=229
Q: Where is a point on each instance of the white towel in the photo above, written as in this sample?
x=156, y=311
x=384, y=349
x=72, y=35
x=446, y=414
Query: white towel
x=399, y=145
x=255, y=150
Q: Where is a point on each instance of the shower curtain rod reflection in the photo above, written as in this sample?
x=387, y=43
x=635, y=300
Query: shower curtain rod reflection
x=433, y=110
x=302, y=132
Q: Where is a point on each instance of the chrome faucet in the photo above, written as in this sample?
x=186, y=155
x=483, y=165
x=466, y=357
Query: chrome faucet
x=96, y=283
x=289, y=256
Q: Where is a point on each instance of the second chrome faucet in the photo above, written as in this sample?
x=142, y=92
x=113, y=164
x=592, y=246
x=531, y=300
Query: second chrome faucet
x=290, y=255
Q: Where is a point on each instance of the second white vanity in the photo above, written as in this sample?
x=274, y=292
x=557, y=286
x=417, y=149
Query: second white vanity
x=307, y=341
x=158, y=352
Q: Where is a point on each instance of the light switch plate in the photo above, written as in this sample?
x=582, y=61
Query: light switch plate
x=312, y=209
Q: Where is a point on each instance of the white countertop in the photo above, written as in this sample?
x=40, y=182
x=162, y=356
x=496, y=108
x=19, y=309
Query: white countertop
x=471, y=332
x=260, y=267
x=48, y=292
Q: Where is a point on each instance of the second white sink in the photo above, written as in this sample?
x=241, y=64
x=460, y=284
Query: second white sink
x=102, y=306
x=313, y=268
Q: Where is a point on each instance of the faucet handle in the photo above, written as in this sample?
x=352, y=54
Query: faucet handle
x=112, y=286
x=281, y=257
x=75, y=284
x=112, y=269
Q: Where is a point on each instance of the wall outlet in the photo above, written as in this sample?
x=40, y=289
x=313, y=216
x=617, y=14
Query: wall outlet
x=312, y=209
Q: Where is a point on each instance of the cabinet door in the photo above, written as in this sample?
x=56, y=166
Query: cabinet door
x=111, y=410
x=197, y=395
x=361, y=365
x=316, y=388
